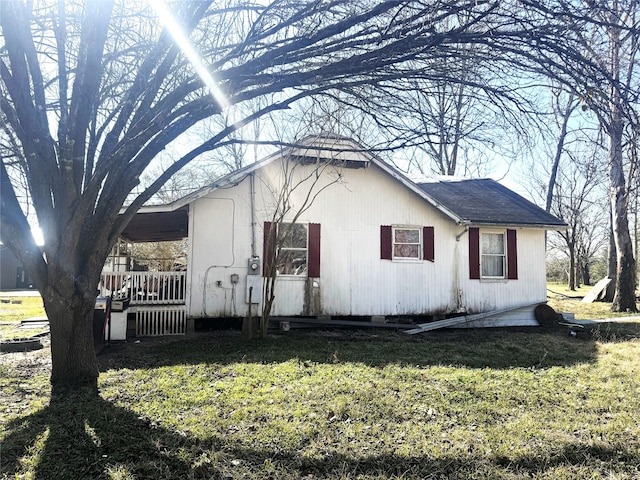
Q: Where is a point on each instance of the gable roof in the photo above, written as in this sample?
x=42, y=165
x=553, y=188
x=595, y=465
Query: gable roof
x=466, y=202
x=322, y=147
x=487, y=202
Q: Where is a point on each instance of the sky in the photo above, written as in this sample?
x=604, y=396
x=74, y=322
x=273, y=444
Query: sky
x=511, y=172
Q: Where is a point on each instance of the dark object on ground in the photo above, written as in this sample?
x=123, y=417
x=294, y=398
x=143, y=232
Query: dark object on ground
x=546, y=316
x=20, y=345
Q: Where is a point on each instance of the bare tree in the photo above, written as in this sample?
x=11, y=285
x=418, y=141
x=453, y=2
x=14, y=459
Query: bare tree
x=562, y=115
x=592, y=241
x=293, y=193
x=576, y=202
x=606, y=36
x=570, y=184
x=625, y=292
x=93, y=92
x=612, y=42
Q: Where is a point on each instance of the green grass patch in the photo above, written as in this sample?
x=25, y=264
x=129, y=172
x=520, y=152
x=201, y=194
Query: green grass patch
x=15, y=309
x=563, y=289
x=13, y=331
x=564, y=300
x=356, y=405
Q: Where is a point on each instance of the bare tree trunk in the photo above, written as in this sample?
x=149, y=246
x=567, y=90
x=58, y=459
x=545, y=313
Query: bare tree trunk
x=585, y=272
x=269, y=297
x=566, y=115
x=624, y=298
x=572, y=268
x=612, y=263
x=587, y=275
x=625, y=280
x=73, y=358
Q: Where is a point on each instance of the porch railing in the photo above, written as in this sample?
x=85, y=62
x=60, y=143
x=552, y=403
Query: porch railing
x=145, y=288
x=161, y=320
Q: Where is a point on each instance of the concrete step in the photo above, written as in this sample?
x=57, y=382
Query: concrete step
x=34, y=322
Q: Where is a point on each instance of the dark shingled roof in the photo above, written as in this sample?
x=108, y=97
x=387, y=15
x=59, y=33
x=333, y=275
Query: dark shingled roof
x=485, y=201
x=158, y=226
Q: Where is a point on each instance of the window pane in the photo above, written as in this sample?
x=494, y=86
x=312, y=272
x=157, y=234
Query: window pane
x=292, y=262
x=493, y=266
x=294, y=235
x=406, y=251
x=407, y=236
x=493, y=243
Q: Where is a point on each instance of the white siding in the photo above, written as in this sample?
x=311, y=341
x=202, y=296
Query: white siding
x=485, y=295
x=354, y=280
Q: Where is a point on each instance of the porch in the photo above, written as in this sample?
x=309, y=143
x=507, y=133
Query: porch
x=153, y=301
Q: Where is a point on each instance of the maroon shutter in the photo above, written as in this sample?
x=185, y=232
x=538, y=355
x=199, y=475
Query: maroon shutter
x=512, y=255
x=386, y=242
x=313, y=259
x=474, y=253
x=428, y=247
x=268, y=247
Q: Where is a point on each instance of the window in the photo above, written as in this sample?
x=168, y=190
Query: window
x=413, y=243
x=493, y=255
x=292, y=258
x=298, y=252
x=407, y=243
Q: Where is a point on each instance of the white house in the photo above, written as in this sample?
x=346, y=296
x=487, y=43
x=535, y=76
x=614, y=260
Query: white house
x=366, y=240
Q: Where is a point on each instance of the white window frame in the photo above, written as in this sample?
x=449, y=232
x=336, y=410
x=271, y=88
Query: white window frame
x=394, y=243
x=282, y=249
x=483, y=234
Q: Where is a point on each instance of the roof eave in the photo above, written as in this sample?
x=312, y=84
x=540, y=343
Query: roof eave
x=471, y=223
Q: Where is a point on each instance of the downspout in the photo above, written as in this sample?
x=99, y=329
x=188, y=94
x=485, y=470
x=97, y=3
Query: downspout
x=466, y=229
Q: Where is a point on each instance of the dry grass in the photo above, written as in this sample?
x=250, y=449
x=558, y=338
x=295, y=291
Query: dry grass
x=500, y=404
x=345, y=405
x=564, y=300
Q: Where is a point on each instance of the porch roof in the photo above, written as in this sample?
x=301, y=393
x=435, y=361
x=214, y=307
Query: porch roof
x=158, y=225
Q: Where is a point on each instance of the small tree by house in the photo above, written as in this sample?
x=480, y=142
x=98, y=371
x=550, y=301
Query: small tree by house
x=288, y=245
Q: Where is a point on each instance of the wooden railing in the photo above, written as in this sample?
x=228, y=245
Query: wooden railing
x=145, y=288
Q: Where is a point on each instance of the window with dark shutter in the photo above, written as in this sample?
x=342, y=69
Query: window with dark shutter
x=297, y=246
x=512, y=255
x=474, y=253
x=493, y=254
x=407, y=243
x=428, y=244
x=314, y=250
x=268, y=247
x=386, y=242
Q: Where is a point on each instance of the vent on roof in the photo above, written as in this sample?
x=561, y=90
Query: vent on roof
x=337, y=149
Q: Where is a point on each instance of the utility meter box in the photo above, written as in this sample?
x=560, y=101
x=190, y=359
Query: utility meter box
x=253, y=266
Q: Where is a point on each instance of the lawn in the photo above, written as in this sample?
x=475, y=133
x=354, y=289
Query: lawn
x=15, y=309
x=503, y=404
x=564, y=300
